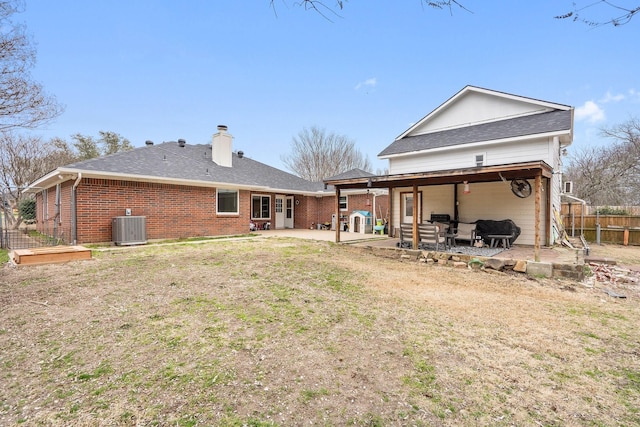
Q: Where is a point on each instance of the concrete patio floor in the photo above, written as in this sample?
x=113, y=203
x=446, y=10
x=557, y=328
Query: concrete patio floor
x=555, y=254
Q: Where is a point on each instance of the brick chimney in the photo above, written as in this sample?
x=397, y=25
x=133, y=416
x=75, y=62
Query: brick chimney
x=221, y=146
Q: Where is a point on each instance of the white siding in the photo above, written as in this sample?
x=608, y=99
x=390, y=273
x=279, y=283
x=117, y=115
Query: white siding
x=556, y=183
x=474, y=108
x=492, y=201
x=464, y=157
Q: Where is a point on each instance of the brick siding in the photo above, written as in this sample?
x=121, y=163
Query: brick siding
x=174, y=211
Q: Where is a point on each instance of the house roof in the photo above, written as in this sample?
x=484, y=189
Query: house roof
x=502, y=98
x=535, y=124
x=188, y=164
x=353, y=173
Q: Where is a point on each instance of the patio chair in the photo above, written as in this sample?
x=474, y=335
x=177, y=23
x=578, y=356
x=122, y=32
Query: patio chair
x=466, y=231
x=406, y=236
x=431, y=235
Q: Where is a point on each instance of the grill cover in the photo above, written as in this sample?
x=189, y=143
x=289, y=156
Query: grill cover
x=507, y=227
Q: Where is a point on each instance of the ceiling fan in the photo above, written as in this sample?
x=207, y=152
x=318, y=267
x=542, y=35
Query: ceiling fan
x=521, y=188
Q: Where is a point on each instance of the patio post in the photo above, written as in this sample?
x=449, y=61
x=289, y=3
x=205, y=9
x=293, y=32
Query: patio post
x=538, y=196
x=415, y=216
x=337, y=208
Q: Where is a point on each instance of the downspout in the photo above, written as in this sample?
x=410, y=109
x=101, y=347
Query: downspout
x=584, y=207
x=74, y=212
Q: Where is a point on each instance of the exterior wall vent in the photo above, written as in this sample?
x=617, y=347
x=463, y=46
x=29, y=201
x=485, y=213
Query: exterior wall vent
x=129, y=230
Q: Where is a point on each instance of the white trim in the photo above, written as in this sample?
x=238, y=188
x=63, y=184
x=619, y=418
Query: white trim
x=346, y=203
x=237, y=212
x=261, y=196
x=474, y=144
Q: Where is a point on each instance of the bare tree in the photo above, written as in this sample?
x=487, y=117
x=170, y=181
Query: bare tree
x=326, y=10
x=622, y=14
x=23, y=159
x=23, y=102
x=317, y=155
x=609, y=174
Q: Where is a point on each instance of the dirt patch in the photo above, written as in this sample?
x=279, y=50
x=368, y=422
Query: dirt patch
x=291, y=332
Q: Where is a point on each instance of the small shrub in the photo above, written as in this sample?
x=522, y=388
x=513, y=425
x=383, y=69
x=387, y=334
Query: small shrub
x=27, y=210
x=607, y=210
x=4, y=256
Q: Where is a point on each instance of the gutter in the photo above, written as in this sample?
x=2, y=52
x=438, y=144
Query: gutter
x=74, y=209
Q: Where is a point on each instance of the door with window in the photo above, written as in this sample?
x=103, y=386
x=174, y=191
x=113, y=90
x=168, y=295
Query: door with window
x=279, y=211
x=288, y=214
x=406, y=200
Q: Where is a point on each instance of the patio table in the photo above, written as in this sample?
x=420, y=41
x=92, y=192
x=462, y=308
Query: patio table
x=495, y=238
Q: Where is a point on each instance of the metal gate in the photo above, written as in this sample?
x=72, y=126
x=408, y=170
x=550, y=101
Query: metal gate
x=26, y=234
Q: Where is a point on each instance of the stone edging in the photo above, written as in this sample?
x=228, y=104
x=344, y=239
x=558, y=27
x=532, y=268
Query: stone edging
x=531, y=268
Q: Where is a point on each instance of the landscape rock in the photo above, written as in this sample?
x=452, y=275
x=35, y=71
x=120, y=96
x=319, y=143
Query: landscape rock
x=494, y=264
x=520, y=266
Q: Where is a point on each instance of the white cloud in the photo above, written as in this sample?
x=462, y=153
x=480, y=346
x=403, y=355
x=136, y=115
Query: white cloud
x=609, y=97
x=590, y=111
x=372, y=82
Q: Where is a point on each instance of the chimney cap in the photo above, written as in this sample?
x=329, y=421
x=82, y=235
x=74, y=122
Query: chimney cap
x=222, y=128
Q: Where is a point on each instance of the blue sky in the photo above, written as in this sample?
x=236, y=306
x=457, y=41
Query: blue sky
x=163, y=70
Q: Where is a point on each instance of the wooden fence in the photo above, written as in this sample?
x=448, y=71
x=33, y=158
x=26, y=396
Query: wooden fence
x=618, y=229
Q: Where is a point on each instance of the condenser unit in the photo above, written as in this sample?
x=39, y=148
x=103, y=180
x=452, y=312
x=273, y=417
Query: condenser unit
x=129, y=230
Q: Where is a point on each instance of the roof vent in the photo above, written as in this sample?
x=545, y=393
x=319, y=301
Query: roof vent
x=182, y=142
x=240, y=154
x=148, y=142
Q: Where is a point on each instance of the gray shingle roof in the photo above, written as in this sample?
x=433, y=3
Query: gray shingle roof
x=353, y=173
x=193, y=162
x=554, y=121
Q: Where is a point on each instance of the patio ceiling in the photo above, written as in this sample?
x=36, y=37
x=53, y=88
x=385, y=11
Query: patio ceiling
x=528, y=170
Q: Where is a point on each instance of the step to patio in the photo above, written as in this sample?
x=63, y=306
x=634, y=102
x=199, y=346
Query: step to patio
x=49, y=255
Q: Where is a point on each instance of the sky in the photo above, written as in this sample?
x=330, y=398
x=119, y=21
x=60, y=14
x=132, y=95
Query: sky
x=161, y=70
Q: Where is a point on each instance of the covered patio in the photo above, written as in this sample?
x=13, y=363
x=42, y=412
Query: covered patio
x=537, y=171
x=551, y=254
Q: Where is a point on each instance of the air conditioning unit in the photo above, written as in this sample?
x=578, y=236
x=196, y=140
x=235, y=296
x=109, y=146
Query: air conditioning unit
x=567, y=187
x=129, y=230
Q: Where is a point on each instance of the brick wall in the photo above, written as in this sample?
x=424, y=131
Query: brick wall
x=171, y=211
x=54, y=222
x=174, y=211
x=318, y=210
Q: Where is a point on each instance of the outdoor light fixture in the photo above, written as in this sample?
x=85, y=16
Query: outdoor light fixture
x=466, y=189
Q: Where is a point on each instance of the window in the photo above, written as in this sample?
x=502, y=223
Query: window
x=343, y=203
x=480, y=159
x=408, y=205
x=260, y=207
x=227, y=201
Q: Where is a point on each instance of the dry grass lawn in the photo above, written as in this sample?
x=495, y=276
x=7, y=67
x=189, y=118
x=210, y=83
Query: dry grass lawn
x=263, y=332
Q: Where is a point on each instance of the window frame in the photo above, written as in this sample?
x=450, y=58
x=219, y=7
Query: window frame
x=483, y=162
x=346, y=203
x=227, y=191
x=262, y=197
